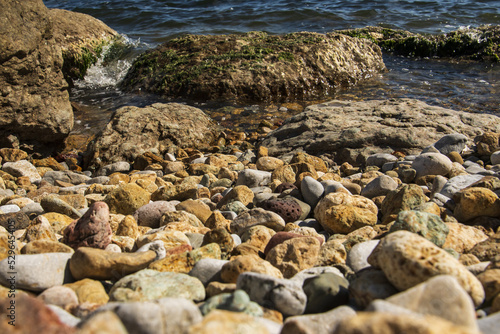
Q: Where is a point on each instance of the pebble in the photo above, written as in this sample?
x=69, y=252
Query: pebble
x=150, y=214
x=22, y=168
x=357, y=258
x=10, y=208
x=321, y=323
x=148, y=285
x=380, y=186
x=61, y=296
x=253, y=178
x=208, y=270
x=495, y=158
x=427, y=225
x=255, y=217
x=148, y=317
x=37, y=272
x=454, y=142
x=280, y=294
x=104, y=265
x=432, y=164
x=325, y=292
x=311, y=190
x=408, y=259
x=379, y=159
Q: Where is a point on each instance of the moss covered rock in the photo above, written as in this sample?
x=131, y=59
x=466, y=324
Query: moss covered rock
x=482, y=43
x=254, y=66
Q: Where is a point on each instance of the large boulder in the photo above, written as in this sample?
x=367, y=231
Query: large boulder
x=83, y=40
x=36, y=46
x=133, y=131
x=351, y=131
x=34, y=98
x=254, y=66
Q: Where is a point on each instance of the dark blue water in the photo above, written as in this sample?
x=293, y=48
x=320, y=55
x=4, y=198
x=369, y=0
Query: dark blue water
x=467, y=87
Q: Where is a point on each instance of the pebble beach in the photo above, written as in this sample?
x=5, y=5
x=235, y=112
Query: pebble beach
x=242, y=242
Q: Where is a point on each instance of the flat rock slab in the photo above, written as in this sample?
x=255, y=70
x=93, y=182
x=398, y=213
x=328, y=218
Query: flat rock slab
x=351, y=131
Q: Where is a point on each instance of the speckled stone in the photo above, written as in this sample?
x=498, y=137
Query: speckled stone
x=343, y=213
x=405, y=197
x=254, y=217
x=288, y=209
x=427, y=225
x=247, y=263
x=408, y=259
x=149, y=284
x=222, y=322
x=476, y=202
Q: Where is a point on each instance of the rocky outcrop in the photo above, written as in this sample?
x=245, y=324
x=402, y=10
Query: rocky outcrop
x=254, y=66
x=350, y=131
x=133, y=131
x=82, y=39
x=35, y=111
x=481, y=43
x=34, y=99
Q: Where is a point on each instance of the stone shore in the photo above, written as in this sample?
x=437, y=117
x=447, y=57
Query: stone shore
x=193, y=241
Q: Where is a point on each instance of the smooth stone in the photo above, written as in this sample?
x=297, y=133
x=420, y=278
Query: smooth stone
x=333, y=187
x=311, y=190
x=61, y=296
x=45, y=246
x=322, y=323
x=457, y=183
x=10, y=208
x=237, y=301
x=100, y=264
x=302, y=276
x=208, y=270
x=368, y=285
x=37, y=272
x=379, y=186
x=255, y=217
x=379, y=159
x=282, y=295
x=89, y=291
x=32, y=209
x=390, y=323
x=117, y=167
x=325, y=292
x=454, y=142
x=162, y=316
x=247, y=263
x=147, y=285
x=495, y=158
x=439, y=296
x=52, y=203
x=22, y=168
x=65, y=176
x=64, y=316
x=489, y=324
x=31, y=316
x=151, y=213
x=357, y=257
x=102, y=322
x=253, y=178
x=408, y=259
x=427, y=225
x=91, y=230
x=431, y=164
x=226, y=322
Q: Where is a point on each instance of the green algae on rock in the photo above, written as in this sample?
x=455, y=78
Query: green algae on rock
x=481, y=43
x=254, y=66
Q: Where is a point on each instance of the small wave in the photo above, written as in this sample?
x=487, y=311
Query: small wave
x=110, y=68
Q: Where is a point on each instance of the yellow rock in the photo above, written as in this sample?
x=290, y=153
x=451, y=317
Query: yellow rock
x=89, y=291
